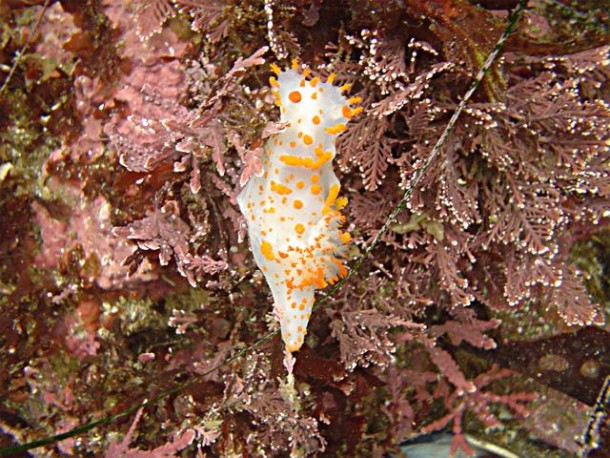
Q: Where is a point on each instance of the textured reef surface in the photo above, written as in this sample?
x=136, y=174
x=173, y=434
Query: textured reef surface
x=131, y=131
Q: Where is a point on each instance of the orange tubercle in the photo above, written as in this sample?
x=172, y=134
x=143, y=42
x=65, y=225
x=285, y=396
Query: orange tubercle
x=295, y=96
x=279, y=188
x=267, y=251
x=315, y=189
x=345, y=237
x=340, y=203
x=294, y=346
x=275, y=69
x=307, y=139
x=333, y=192
x=357, y=111
x=336, y=129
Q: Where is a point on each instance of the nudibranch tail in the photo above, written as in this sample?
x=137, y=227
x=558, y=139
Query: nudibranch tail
x=293, y=208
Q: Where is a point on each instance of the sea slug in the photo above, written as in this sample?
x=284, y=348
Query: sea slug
x=292, y=208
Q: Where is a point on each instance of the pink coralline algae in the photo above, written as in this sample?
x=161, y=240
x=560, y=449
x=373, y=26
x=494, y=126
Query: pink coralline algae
x=151, y=92
x=86, y=226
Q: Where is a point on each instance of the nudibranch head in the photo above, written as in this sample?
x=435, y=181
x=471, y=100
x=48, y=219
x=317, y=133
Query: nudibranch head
x=293, y=208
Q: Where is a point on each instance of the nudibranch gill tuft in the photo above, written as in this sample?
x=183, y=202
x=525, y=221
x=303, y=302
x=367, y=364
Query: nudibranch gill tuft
x=293, y=207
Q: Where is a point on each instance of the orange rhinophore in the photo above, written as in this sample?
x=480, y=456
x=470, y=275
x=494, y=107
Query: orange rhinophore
x=293, y=208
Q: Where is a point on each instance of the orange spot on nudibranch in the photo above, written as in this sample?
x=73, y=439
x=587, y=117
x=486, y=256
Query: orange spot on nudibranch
x=333, y=192
x=315, y=189
x=300, y=184
x=307, y=139
x=299, y=228
x=275, y=69
x=340, y=203
x=356, y=111
x=297, y=161
x=336, y=129
x=295, y=96
x=280, y=188
x=298, y=204
x=267, y=251
x=345, y=237
x=293, y=346
x=315, y=119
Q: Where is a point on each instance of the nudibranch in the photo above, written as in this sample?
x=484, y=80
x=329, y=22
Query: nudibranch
x=292, y=208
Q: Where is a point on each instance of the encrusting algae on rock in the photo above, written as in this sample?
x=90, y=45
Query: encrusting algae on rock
x=293, y=207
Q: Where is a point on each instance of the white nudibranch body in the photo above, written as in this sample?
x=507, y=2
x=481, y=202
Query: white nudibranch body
x=292, y=209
